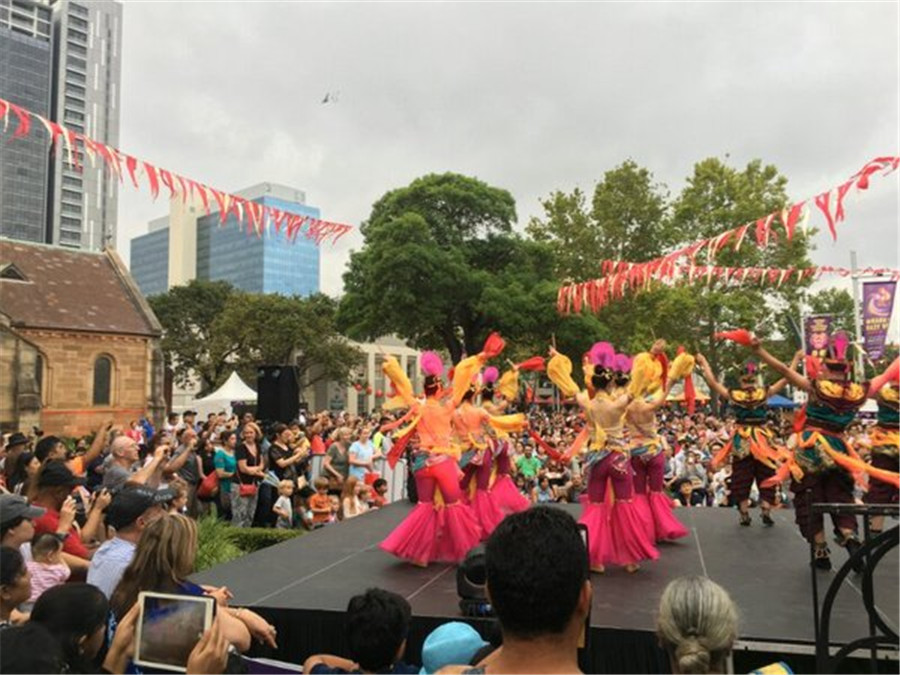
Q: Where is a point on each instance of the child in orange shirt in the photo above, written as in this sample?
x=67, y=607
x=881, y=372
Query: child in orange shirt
x=319, y=503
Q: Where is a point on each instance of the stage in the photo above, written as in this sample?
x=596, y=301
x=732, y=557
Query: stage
x=303, y=587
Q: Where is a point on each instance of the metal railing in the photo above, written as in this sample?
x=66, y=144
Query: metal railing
x=873, y=549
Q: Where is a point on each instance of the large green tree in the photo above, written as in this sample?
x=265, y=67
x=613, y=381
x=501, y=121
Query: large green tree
x=188, y=314
x=441, y=267
x=626, y=221
x=210, y=329
x=632, y=218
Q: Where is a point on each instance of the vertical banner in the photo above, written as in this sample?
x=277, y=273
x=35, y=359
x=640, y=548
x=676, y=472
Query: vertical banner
x=818, y=334
x=878, y=302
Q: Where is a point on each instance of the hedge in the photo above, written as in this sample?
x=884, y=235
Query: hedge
x=219, y=542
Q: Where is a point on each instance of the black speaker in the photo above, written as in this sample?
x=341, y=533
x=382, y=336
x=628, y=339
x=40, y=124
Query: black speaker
x=277, y=394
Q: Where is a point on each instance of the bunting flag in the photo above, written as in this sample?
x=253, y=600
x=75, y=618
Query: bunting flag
x=624, y=276
x=683, y=261
x=251, y=216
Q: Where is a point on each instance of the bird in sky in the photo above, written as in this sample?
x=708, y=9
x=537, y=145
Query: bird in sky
x=331, y=97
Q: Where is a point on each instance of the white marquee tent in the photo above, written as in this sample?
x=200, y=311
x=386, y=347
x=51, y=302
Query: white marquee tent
x=234, y=390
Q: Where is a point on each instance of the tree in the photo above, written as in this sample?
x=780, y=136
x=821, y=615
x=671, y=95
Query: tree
x=633, y=219
x=836, y=302
x=211, y=329
x=274, y=329
x=627, y=221
x=441, y=268
x=187, y=314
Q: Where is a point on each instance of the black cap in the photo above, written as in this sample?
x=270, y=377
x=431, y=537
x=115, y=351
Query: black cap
x=14, y=506
x=57, y=474
x=17, y=438
x=130, y=502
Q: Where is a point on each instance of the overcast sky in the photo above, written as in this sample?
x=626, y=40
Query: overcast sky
x=529, y=97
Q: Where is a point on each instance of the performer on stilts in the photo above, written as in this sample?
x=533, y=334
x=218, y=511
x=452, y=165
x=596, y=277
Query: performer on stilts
x=823, y=461
x=616, y=534
x=650, y=386
x=753, y=456
x=884, y=440
x=473, y=425
x=441, y=527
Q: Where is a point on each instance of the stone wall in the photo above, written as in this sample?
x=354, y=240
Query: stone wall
x=68, y=379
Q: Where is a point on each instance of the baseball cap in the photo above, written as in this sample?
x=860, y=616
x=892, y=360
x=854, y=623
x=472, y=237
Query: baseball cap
x=454, y=643
x=57, y=474
x=14, y=506
x=18, y=438
x=130, y=502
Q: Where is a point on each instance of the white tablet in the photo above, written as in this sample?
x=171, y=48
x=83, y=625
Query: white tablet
x=169, y=627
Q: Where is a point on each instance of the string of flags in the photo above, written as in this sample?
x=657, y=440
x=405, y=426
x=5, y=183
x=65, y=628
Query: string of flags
x=257, y=218
x=682, y=264
x=626, y=276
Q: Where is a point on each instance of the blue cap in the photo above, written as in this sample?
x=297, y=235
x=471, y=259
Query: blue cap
x=454, y=643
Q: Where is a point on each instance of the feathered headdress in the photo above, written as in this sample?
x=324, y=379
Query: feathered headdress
x=622, y=363
x=431, y=365
x=490, y=375
x=602, y=355
x=749, y=373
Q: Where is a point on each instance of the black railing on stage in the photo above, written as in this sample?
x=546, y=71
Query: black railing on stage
x=871, y=552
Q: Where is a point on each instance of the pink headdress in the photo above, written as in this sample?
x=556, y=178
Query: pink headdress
x=431, y=364
x=839, y=344
x=602, y=354
x=622, y=363
x=490, y=375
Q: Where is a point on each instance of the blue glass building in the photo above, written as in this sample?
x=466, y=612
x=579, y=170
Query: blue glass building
x=227, y=252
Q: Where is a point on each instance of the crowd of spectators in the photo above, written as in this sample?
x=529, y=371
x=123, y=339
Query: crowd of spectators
x=87, y=526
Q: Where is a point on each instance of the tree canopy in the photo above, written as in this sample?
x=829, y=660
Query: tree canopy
x=210, y=329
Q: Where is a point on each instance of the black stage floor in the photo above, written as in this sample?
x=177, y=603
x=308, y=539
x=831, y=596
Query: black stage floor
x=309, y=581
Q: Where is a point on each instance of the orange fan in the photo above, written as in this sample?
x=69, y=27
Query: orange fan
x=742, y=336
x=493, y=346
x=534, y=363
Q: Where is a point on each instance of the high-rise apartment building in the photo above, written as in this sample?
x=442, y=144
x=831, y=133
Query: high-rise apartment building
x=26, y=76
x=189, y=244
x=83, y=41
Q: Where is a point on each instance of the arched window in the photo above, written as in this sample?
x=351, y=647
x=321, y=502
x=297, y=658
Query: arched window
x=102, y=380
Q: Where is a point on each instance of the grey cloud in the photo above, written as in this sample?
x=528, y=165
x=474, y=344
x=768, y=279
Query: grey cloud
x=530, y=97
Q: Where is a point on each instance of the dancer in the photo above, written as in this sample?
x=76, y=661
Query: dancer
x=884, y=440
x=503, y=490
x=615, y=532
x=473, y=425
x=823, y=461
x=440, y=527
x=750, y=447
x=650, y=387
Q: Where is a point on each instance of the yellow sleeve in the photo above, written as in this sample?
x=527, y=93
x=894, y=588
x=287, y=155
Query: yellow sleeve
x=463, y=374
x=508, y=386
x=645, y=375
x=681, y=367
x=508, y=423
x=559, y=370
x=392, y=370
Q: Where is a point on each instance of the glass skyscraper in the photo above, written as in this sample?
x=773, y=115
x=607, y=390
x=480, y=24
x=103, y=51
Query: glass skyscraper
x=26, y=72
x=227, y=252
x=60, y=59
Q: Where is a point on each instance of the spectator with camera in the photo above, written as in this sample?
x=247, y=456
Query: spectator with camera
x=54, y=487
x=125, y=465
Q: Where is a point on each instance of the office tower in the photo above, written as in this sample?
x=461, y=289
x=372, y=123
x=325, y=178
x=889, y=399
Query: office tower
x=60, y=59
x=189, y=244
x=26, y=71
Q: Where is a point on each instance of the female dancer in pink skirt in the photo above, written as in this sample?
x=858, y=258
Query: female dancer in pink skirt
x=648, y=457
x=441, y=527
x=616, y=534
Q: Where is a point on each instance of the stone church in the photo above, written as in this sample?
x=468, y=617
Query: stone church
x=79, y=345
